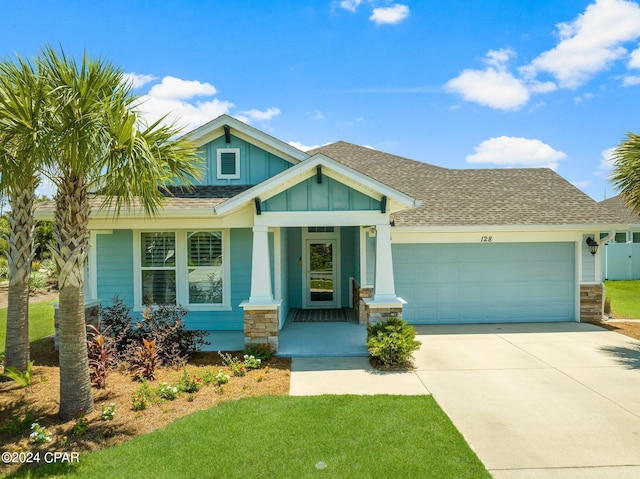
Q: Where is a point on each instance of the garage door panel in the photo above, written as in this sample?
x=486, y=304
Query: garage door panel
x=460, y=283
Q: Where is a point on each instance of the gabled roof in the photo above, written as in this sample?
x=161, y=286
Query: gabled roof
x=334, y=169
x=215, y=129
x=474, y=197
x=618, y=206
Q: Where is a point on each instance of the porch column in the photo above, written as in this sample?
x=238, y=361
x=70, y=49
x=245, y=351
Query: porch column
x=260, y=267
x=384, y=290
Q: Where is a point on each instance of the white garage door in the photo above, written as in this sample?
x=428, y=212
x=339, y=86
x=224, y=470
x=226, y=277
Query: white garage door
x=485, y=283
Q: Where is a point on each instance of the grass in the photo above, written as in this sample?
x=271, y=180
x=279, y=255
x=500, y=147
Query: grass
x=286, y=437
x=40, y=322
x=625, y=298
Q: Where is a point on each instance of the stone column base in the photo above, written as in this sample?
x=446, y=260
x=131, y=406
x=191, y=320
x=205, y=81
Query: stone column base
x=261, y=325
x=380, y=312
x=359, y=307
x=591, y=303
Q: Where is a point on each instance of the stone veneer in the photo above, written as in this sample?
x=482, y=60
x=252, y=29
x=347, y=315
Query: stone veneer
x=91, y=314
x=377, y=315
x=358, y=301
x=261, y=327
x=591, y=303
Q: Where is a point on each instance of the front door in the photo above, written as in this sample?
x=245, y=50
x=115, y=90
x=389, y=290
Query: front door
x=321, y=279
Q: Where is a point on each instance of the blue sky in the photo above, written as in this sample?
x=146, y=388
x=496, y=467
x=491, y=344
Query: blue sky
x=456, y=83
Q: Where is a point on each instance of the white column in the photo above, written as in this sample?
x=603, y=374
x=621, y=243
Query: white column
x=384, y=289
x=260, y=267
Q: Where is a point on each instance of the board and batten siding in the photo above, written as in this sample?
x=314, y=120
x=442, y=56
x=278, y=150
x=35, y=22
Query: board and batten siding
x=256, y=164
x=330, y=195
x=491, y=283
x=114, y=256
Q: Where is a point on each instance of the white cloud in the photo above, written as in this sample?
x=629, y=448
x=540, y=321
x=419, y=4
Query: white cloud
x=631, y=80
x=494, y=88
x=634, y=58
x=582, y=184
x=607, y=161
x=138, y=80
x=257, y=115
x=389, y=15
x=499, y=58
x=303, y=147
x=350, y=5
x=580, y=98
x=589, y=44
x=175, y=88
x=316, y=115
x=514, y=151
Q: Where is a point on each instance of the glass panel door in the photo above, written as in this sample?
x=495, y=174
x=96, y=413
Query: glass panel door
x=321, y=278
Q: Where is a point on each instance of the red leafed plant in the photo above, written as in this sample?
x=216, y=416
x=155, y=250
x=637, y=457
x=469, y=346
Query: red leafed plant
x=99, y=349
x=146, y=360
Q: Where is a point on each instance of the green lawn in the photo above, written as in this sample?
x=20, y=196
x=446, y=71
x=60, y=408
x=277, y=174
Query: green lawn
x=287, y=437
x=625, y=298
x=40, y=322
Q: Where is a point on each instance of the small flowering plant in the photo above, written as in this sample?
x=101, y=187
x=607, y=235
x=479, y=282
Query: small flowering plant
x=166, y=391
x=190, y=383
x=39, y=435
x=218, y=379
x=108, y=412
x=251, y=362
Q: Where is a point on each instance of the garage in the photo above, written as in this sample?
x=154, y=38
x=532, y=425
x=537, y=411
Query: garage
x=485, y=282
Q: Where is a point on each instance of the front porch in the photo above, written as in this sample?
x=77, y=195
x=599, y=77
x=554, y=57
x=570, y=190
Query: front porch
x=305, y=339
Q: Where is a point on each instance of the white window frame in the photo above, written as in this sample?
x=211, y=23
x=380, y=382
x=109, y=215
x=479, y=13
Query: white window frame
x=182, y=270
x=219, y=173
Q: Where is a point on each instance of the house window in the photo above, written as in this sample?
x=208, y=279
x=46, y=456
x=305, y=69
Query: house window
x=204, y=254
x=183, y=267
x=636, y=237
x=228, y=163
x=320, y=229
x=621, y=237
x=158, y=265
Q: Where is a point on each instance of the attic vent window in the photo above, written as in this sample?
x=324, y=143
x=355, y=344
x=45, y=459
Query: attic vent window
x=320, y=229
x=228, y=163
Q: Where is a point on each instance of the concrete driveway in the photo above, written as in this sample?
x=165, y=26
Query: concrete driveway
x=559, y=400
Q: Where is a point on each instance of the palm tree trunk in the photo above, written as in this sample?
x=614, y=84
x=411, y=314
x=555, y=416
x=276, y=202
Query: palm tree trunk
x=70, y=252
x=21, y=252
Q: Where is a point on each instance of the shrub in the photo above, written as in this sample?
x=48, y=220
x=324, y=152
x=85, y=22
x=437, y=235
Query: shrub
x=99, y=351
x=145, y=360
x=4, y=269
x=391, y=343
x=37, y=281
x=35, y=265
x=607, y=305
x=50, y=266
x=163, y=323
x=81, y=425
x=21, y=423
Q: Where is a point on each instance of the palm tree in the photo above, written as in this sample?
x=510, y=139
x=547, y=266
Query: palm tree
x=23, y=114
x=99, y=141
x=626, y=173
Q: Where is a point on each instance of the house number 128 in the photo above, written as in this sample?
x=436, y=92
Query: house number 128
x=485, y=239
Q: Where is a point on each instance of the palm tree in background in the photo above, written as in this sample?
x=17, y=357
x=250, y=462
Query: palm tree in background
x=98, y=142
x=626, y=173
x=23, y=128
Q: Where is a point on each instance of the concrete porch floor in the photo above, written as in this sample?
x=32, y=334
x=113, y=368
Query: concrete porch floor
x=304, y=339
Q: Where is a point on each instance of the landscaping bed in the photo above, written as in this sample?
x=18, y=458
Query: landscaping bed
x=20, y=407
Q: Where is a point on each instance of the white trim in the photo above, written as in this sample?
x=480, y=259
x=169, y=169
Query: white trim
x=308, y=238
x=214, y=129
x=227, y=176
x=319, y=218
x=584, y=228
x=181, y=269
x=277, y=264
x=363, y=255
x=401, y=236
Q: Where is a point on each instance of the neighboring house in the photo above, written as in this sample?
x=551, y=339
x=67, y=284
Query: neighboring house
x=271, y=228
x=621, y=255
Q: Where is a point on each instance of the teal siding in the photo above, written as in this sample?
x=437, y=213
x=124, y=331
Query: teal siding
x=330, y=195
x=620, y=261
x=491, y=283
x=256, y=164
x=114, y=255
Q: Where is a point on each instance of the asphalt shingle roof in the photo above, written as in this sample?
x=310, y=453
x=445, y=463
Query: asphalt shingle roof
x=522, y=196
x=617, y=206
